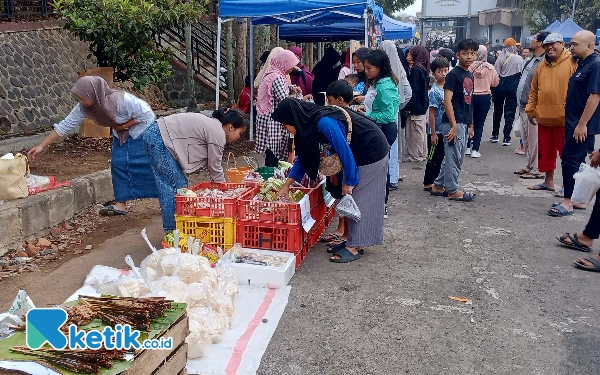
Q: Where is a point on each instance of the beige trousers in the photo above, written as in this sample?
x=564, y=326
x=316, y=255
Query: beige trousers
x=416, y=138
x=529, y=135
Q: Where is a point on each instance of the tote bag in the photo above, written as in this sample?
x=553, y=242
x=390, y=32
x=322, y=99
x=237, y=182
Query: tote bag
x=12, y=178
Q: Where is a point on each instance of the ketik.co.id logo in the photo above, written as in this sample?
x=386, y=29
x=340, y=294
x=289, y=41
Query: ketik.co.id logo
x=44, y=324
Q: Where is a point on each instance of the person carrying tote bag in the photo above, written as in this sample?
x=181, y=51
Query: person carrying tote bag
x=12, y=177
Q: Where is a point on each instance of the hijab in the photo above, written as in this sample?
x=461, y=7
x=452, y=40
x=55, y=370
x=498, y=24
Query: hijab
x=104, y=102
x=279, y=66
x=509, y=62
x=303, y=78
x=420, y=57
x=479, y=67
x=305, y=116
x=325, y=73
x=274, y=52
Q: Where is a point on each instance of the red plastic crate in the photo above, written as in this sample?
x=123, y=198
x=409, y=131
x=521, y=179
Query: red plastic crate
x=270, y=235
x=315, y=233
x=279, y=212
x=210, y=207
x=330, y=215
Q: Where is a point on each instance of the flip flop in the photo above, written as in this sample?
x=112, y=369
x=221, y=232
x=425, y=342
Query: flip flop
x=427, y=189
x=346, y=256
x=574, y=243
x=540, y=187
x=574, y=207
x=521, y=172
x=111, y=211
x=560, y=194
x=559, y=211
x=596, y=268
x=439, y=194
x=528, y=176
x=335, y=248
x=329, y=237
x=467, y=197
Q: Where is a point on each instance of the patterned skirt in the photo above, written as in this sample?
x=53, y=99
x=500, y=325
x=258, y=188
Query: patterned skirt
x=271, y=135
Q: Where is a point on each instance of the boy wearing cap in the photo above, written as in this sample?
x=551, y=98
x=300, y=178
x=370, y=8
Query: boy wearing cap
x=546, y=106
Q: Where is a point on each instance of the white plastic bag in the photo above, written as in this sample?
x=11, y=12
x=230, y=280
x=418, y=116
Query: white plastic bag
x=518, y=125
x=347, y=207
x=587, y=183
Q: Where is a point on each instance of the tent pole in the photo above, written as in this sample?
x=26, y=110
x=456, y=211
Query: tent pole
x=320, y=50
x=218, y=71
x=277, y=36
x=365, y=15
x=251, y=67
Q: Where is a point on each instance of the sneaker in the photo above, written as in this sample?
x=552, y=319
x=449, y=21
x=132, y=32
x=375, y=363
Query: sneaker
x=494, y=139
x=385, y=215
x=475, y=154
x=468, y=151
x=506, y=142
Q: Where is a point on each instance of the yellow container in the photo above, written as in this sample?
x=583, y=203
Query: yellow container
x=218, y=231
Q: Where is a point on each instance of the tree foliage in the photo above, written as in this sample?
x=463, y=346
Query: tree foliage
x=541, y=13
x=391, y=6
x=121, y=33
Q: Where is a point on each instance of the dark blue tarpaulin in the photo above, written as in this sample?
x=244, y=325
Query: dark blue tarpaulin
x=394, y=29
x=342, y=31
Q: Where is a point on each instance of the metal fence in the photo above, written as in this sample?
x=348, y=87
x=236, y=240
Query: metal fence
x=10, y=9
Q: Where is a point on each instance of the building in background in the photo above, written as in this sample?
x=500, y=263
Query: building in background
x=492, y=20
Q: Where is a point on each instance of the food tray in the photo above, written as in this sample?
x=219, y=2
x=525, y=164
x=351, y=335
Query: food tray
x=265, y=276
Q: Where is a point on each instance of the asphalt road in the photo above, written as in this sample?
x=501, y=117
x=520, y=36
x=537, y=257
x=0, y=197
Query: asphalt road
x=532, y=312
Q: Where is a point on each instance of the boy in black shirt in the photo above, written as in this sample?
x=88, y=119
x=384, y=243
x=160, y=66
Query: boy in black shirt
x=457, y=123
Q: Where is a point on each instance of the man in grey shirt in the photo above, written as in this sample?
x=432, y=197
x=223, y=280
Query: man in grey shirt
x=529, y=132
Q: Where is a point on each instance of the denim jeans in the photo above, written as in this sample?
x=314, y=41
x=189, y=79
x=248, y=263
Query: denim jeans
x=167, y=172
x=481, y=107
x=573, y=155
x=394, y=167
x=391, y=134
x=454, y=155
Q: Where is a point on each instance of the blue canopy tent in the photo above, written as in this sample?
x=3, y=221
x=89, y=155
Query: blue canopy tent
x=553, y=26
x=341, y=31
x=316, y=12
x=394, y=29
x=568, y=29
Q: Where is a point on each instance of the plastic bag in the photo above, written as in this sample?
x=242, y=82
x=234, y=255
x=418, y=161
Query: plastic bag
x=347, y=207
x=517, y=126
x=125, y=286
x=587, y=183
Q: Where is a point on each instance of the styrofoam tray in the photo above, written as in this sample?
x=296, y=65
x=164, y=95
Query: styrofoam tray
x=265, y=276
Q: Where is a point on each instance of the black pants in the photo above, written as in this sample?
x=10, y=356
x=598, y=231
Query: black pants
x=432, y=170
x=507, y=102
x=391, y=133
x=271, y=160
x=573, y=155
x=592, y=229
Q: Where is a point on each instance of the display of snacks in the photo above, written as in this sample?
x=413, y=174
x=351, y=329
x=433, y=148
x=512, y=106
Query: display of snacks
x=241, y=255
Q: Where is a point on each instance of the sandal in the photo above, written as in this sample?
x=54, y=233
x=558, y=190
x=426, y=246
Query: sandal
x=111, y=211
x=540, y=187
x=560, y=194
x=333, y=247
x=439, y=194
x=559, y=211
x=521, y=171
x=574, y=206
x=573, y=242
x=346, y=256
x=329, y=237
x=467, y=197
x=582, y=266
x=427, y=189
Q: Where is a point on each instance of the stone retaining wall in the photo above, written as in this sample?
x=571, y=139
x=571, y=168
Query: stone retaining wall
x=37, y=71
x=33, y=216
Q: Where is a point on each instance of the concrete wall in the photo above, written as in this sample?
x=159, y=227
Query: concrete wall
x=37, y=71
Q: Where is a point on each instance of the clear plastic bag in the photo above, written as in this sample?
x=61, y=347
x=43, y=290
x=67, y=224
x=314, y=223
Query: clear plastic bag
x=347, y=207
x=587, y=184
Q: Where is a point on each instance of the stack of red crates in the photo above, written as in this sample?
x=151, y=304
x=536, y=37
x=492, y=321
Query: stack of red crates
x=278, y=226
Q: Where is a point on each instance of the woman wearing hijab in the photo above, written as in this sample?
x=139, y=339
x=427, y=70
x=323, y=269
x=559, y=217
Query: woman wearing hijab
x=509, y=66
x=326, y=71
x=416, y=127
x=261, y=74
x=302, y=78
x=182, y=143
x=128, y=117
x=486, y=77
x=364, y=160
x=405, y=92
x=271, y=137
x=345, y=70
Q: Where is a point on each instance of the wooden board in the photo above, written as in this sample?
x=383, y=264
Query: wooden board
x=152, y=361
x=89, y=129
